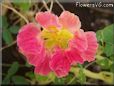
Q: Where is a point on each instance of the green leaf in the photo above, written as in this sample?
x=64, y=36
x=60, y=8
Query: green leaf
x=6, y=81
x=99, y=35
x=106, y=36
x=81, y=76
x=23, y=5
x=112, y=58
x=104, y=63
x=19, y=80
x=28, y=65
x=80, y=66
x=14, y=29
x=13, y=69
x=44, y=79
x=112, y=68
x=108, y=50
x=70, y=78
x=7, y=37
x=30, y=75
x=41, y=78
x=4, y=23
x=59, y=81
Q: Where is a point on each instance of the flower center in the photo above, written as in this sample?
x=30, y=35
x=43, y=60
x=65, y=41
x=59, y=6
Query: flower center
x=54, y=37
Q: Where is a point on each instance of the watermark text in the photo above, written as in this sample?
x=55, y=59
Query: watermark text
x=95, y=4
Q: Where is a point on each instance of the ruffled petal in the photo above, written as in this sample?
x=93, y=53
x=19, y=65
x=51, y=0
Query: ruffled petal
x=43, y=68
x=70, y=21
x=74, y=57
x=29, y=43
x=36, y=58
x=47, y=19
x=60, y=64
x=92, y=46
x=79, y=42
x=27, y=38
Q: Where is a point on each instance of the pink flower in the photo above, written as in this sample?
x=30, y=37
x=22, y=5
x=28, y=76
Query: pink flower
x=60, y=44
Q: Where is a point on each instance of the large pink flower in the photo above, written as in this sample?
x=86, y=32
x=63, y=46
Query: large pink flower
x=60, y=44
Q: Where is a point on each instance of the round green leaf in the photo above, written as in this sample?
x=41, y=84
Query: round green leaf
x=14, y=29
x=19, y=80
x=13, y=69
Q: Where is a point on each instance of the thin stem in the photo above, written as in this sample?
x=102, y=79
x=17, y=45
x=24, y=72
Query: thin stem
x=42, y=7
x=14, y=42
x=60, y=5
x=51, y=6
x=45, y=4
x=15, y=11
x=71, y=80
x=89, y=64
x=17, y=21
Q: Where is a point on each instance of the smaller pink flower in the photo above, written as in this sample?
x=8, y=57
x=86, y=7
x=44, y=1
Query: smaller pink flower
x=59, y=45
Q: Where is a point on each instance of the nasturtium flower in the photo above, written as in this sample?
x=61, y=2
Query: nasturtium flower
x=60, y=43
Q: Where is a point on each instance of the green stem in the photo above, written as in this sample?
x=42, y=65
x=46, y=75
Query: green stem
x=99, y=57
x=51, y=78
x=71, y=80
x=104, y=76
x=89, y=64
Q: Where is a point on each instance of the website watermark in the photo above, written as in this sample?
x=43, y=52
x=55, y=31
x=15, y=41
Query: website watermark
x=95, y=4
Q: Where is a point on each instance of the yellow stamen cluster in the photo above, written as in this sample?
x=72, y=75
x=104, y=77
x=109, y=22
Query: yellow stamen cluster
x=54, y=37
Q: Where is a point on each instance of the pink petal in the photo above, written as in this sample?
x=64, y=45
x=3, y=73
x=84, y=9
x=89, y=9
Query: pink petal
x=47, y=19
x=74, y=57
x=43, y=68
x=29, y=43
x=92, y=46
x=36, y=58
x=60, y=64
x=79, y=42
x=27, y=38
x=70, y=21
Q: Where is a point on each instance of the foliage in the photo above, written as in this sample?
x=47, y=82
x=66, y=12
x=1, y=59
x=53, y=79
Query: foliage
x=106, y=37
x=7, y=36
x=106, y=42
